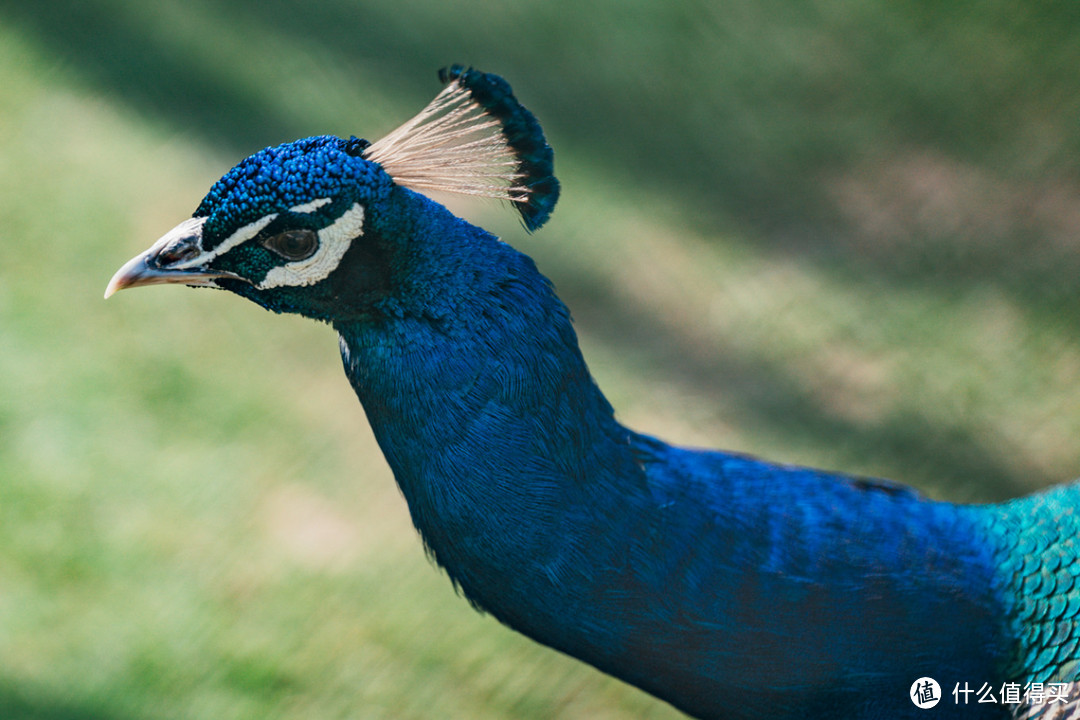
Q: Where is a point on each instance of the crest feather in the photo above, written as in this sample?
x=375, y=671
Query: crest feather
x=474, y=138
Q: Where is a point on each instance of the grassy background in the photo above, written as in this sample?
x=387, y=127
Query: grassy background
x=840, y=233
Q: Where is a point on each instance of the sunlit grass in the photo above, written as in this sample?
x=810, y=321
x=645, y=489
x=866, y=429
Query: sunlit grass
x=195, y=521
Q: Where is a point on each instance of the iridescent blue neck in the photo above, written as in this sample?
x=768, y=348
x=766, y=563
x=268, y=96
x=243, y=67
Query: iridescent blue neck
x=487, y=415
x=692, y=574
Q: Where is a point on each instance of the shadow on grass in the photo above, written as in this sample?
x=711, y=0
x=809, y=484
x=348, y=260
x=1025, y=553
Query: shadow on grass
x=20, y=704
x=115, y=54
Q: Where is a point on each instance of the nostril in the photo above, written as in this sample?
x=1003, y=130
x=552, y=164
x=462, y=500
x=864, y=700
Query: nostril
x=177, y=253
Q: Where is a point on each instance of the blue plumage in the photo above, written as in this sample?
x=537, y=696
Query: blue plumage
x=283, y=176
x=726, y=585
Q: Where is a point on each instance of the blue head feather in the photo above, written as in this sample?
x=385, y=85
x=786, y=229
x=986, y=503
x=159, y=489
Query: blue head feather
x=277, y=178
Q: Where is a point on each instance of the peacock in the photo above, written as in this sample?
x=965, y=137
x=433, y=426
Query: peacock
x=726, y=585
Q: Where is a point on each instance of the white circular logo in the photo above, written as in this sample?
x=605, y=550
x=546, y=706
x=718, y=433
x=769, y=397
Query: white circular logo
x=925, y=693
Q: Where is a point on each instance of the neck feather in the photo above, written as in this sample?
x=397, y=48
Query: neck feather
x=490, y=421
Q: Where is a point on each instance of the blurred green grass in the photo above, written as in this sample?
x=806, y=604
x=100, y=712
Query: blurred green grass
x=840, y=233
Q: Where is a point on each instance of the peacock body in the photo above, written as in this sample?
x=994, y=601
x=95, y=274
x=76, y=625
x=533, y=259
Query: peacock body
x=726, y=585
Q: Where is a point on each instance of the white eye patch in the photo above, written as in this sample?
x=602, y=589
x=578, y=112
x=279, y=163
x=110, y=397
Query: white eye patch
x=310, y=207
x=334, y=241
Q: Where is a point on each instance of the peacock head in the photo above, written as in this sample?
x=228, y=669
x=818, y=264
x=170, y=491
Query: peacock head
x=291, y=225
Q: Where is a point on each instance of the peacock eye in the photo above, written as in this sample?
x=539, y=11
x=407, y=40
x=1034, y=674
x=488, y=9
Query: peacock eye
x=293, y=244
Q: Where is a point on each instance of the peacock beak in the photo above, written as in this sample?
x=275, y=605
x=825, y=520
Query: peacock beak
x=177, y=258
